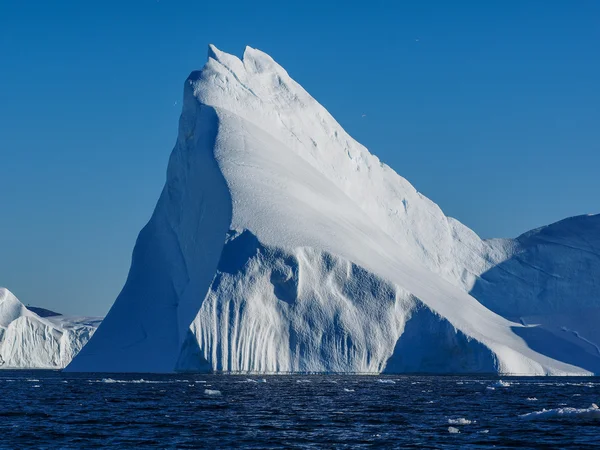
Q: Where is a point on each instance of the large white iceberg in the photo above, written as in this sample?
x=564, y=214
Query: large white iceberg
x=280, y=244
x=39, y=339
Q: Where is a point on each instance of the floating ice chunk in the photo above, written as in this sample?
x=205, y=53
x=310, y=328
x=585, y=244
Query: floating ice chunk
x=212, y=392
x=453, y=430
x=490, y=388
x=200, y=381
x=302, y=381
x=501, y=383
x=591, y=413
x=33, y=380
x=531, y=399
x=140, y=381
x=460, y=421
x=348, y=390
x=484, y=431
x=36, y=386
x=381, y=380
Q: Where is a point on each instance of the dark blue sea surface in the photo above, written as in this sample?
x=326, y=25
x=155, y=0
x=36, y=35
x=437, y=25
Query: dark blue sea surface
x=46, y=409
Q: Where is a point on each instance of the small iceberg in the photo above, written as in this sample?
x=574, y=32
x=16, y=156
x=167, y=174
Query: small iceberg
x=212, y=392
x=460, y=421
x=591, y=413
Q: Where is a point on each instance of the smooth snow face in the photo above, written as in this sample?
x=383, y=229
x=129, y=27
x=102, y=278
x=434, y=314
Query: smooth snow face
x=289, y=247
x=28, y=341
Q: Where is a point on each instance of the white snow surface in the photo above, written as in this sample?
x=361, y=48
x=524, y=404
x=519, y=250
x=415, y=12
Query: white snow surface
x=28, y=341
x=280, y=244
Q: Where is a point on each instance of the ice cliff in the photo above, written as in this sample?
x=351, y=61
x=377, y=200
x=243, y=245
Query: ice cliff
x=280, y=244
x=42, y=340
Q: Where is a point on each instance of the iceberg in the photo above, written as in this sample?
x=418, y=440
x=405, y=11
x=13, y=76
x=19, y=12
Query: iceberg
x=279, y=244
x=591, y=413
x=35, y=338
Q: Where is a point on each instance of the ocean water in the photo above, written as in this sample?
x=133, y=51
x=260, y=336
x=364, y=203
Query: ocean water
x=46, y=409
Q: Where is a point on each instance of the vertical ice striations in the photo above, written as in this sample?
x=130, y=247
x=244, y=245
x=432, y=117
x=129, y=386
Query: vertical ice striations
x=288, y=247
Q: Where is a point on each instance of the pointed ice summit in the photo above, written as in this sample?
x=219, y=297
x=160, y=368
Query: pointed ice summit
x=280, y=244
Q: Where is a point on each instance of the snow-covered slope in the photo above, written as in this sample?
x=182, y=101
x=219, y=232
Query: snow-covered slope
x=28, y=341
x=289, y=247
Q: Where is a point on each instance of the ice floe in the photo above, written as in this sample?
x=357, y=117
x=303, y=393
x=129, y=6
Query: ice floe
x=460, y=421
x=591, y=413
x=212, y=392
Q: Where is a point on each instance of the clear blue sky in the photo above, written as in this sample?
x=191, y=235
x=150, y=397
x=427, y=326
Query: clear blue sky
x=490, y=108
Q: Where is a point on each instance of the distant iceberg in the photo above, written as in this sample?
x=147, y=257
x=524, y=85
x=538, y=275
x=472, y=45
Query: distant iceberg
x=41, y=339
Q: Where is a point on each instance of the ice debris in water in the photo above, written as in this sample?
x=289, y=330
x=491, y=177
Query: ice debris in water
x=532, y=399
x=281, y=179
x=484, y=431
x=591, y=413
x=501, y=383
x=460, y=421
x=252, y=380
x=348, y=390
x=212, y=392
x=141, y=381
x=453, y=430
x=381, y=380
